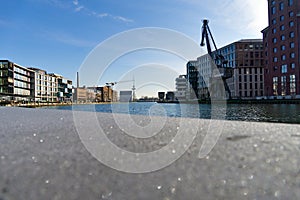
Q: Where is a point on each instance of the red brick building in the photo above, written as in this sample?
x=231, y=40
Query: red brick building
x=281, y=44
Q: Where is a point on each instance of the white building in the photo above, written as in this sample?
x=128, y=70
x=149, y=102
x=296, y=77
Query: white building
x=46, y=86
x=125, y=96
x=199, y=73
x=181, y=87
x=204, y=67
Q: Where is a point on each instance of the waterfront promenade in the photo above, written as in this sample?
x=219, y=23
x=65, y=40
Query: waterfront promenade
x=42, y=157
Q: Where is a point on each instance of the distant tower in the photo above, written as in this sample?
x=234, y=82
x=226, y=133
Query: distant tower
x=133, y=90
x=77, y=79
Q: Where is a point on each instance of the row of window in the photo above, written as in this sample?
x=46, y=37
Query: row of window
x=3, y=73
x=21, y=84
x=283, y=48
x=5, y=89
x=282, y=37
x=46, y=78
x=281, y=18
x=47, y=94
x=281, y=5
x=251, y=86
x=22, y=71
x=250, y=93
x=284, y=85
x=47, y=84
x=3, y=65
x=249, y=71
x=282, y=27
x=251, y=78
x=21, y=77
x=283, y=57
x=284, y=68
x=19, y=91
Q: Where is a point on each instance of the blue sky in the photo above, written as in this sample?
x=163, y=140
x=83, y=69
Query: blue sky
x=57, y=35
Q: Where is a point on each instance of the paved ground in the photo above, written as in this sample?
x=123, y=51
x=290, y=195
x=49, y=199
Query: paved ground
x=42, y=157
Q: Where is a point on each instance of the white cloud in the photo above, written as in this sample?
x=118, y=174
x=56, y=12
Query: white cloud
x=123, y=19
x=79, y=8
x=75, y=2
x=101, y=15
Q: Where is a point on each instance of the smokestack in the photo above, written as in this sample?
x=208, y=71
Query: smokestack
x=77, y=79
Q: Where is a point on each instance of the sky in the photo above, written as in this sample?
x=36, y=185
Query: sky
x=59, y=35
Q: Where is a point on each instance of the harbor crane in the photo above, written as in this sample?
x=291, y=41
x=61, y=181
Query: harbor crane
x=219, y=59
x=111, y=84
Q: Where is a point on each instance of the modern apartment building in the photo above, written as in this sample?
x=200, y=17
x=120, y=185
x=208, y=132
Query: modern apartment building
x=50, y=87
x=16, y=82
x=282, y=49
x=193, y=80
x=245, y=56
x=65, y=89
x=204, y=67
x=21, y=84
x=45, y=89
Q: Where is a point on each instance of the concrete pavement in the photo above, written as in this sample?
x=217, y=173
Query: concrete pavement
x=42, y=157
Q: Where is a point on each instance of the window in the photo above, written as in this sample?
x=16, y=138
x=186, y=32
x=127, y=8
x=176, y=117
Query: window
x=273, y=3
x=274, y=30
x=293, y=55
x=273, y=10
x=274, y=40
x=291, y=23
x=293, y=65
x=274, y=21
x=282, y=47
x=282, y=27
x=283, y=85
x=291, y=14
x=291, y=2
x=275, y=50
x=283, y=57
x=292, y=45
x=283, y=37
x=275, y=86
x=275, y=59
x=284, y=69
x=293, y=84
x=292, y=34
x=281, y=6
x=281, y=17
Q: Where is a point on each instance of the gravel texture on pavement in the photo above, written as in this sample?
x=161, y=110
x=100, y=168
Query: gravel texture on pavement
x=42, y=157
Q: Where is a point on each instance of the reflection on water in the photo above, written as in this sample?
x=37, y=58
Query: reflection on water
x=284, y=113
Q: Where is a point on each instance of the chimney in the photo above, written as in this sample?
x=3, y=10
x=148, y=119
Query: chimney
x=77, y=79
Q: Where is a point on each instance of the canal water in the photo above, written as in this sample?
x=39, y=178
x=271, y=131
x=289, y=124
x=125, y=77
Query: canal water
x=281, y=113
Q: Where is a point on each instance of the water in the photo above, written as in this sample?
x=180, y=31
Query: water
x=282, y=113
